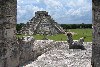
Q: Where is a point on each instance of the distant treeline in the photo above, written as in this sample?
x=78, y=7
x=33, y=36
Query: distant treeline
x=19, y=26
x=64, y=26
x=75, y=26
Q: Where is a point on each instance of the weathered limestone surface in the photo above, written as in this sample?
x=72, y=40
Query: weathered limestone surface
x=9, y=53
x=61, y=56
x=25, y=50
x=41, y=23
x=30, y=51
x=96, y=33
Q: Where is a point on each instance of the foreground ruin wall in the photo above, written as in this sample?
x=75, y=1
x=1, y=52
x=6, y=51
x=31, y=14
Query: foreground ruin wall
x=31, y=50
x=62, y=56
x=96, y=33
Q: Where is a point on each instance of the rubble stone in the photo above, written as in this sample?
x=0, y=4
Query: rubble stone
x=61, y=56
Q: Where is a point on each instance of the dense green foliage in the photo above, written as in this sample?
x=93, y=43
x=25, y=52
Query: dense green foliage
x=76, y=26
x=19, y=26
x=64, y=26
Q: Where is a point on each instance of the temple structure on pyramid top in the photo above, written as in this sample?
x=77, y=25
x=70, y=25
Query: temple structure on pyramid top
x=40, y=24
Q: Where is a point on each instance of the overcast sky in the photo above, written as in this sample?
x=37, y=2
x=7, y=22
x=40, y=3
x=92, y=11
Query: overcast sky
x=62, y=11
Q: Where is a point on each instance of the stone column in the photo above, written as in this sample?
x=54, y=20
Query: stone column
x=96, y=33
x=8, y=14
x=8, y=45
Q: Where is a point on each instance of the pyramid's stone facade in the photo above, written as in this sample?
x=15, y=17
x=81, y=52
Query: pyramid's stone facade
x=42, y=23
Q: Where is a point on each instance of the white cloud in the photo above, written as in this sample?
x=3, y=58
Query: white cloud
x=20, y=12
x=56, y=8
x=56, y=4
x=20, y=1
x=79, y=7
x=38, y=0
x=78, y=3
x=35, y=8
x=73, y=12
x=26, y=12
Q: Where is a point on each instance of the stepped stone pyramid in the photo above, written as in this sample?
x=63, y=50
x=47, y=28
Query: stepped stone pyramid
x=40, y=24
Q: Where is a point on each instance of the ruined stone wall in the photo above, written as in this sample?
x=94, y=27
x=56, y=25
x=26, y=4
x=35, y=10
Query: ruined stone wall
x=29, y=51
x=25, y=51
x=96, y=33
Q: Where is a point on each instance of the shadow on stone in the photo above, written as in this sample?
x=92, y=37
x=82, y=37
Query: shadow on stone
x=77, y=47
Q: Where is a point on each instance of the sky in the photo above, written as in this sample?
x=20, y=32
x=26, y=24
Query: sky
x=62, y=11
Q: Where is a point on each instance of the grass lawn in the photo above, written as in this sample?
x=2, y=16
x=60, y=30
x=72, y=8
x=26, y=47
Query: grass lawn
x=82, y=33
x=57, y=37
x=62, y=37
